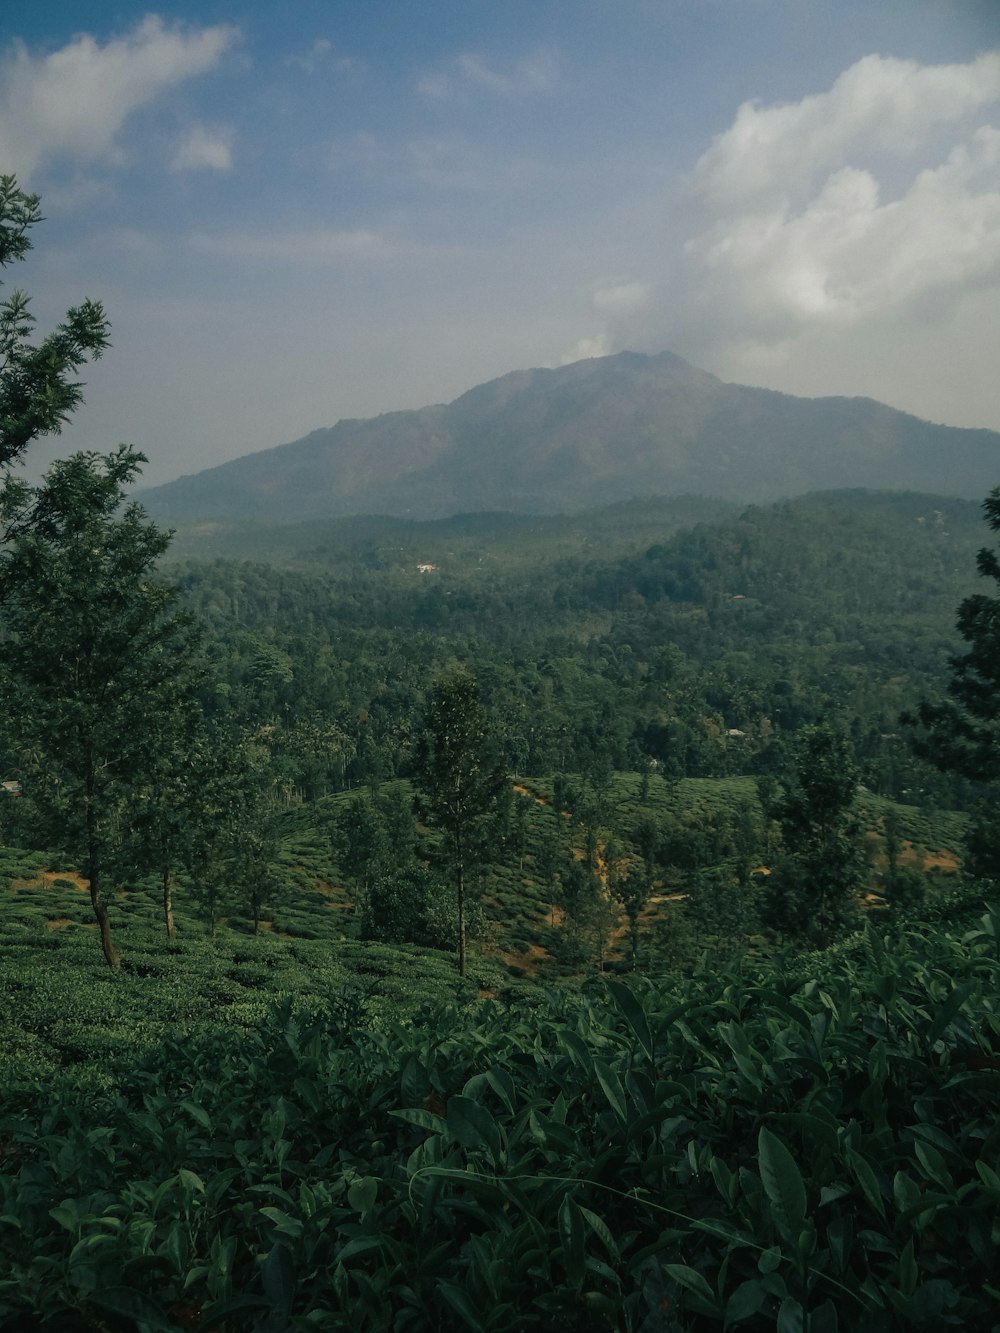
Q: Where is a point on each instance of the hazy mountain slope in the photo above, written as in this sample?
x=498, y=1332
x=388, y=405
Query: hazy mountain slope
x=589, y=434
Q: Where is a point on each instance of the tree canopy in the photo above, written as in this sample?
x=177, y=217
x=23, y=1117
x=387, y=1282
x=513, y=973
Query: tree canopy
x=98, y=664
x=38, y=388
x=461, y=777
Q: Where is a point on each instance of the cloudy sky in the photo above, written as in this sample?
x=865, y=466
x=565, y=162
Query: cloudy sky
x=335, y=208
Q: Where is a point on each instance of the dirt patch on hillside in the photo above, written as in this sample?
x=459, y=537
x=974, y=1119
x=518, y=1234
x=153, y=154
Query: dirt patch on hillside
x=46, y=878
x=58, y=923
x=528, y=960
x=522, y=790
x=947, y=862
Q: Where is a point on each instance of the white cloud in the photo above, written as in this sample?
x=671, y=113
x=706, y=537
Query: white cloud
x=204, y=148
x=879, y=105
x=320, y=55
x=799, y=229
x=585, y=349
x=74, y=101
x=317, y=55
x=321, y=245
x=534, y=73
x=621, y=297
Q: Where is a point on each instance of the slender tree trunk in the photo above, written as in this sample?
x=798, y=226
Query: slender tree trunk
x=94, y=878
x=101, y=913
x=461, y=919
x=168, y=903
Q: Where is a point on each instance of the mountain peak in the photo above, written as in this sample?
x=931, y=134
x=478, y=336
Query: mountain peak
x=591, y=432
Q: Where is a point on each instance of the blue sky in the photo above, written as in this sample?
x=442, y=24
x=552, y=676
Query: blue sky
x=303, y=212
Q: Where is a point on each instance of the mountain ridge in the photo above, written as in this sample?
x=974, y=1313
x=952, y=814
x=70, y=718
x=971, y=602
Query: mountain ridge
x=550, y=440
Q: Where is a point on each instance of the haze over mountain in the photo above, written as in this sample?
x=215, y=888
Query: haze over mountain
x=587, y=434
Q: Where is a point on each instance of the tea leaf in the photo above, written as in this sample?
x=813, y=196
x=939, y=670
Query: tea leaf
x=782, y=1182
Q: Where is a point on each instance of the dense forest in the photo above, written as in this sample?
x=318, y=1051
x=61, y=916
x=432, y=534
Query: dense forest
x=494, y=922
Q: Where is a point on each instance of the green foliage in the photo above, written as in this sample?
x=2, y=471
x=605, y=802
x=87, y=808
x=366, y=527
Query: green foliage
x=97, y=678
x=962, y=732
x=811, y=1145
x=832, y=606
x=461, y=779
x=409, y=906
x=814, y=889
x=37, y=390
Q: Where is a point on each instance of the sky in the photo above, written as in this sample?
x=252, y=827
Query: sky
x=336, y=208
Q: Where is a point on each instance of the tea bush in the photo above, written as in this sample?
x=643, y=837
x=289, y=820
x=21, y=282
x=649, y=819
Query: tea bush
x=812, y=1145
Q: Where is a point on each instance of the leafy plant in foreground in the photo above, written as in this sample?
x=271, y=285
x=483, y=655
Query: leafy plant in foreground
x=807, y=1146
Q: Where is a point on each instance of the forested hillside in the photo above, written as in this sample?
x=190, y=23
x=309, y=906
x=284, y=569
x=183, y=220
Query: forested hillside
x=839, y=605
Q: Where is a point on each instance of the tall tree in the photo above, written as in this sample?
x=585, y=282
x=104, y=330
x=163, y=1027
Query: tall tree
x=96, y=659
x=462, y=782
x=38, y=388
x=961, y=734
x=815, y=883
x=631, y=886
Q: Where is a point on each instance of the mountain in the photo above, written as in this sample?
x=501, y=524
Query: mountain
x=591, y=433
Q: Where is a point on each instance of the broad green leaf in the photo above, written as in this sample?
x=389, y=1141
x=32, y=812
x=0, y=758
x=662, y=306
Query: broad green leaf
x=791, y=1318
x=866, y=1178
x=726, y=1181
x=503, y=1085
x=769, y=1259
x=612, y=1087
x=631, y=1009
x=413, y=1081
x=602, y=1231
x=934, y=1164
x=414, y=1115
x=745, y=1302
x=197, y=1113
x=359, y=1245
x=782, y=1182
x=908, y=1271
x=473, y=1126
x=948, y=1010
x=361, y=1195
x=66, y=1215
x=191, y=1181
x=823, y=1319
x=459, y=1301
x=288, y=1226
x=576, y=1048
x=693, y=1281
x=278, y=1277
x=743, y=1053
x=572, y=1240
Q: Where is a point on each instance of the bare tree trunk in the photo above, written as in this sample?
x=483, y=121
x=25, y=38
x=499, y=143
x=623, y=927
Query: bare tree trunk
x=168, y=903
x=461, y=919
x=101, y=913
x=93, y=876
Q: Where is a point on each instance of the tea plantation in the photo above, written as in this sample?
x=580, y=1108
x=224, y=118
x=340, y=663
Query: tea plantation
x=278, y=1133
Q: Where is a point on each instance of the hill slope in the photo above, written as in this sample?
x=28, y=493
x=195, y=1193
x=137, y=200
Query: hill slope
x=544, y=441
